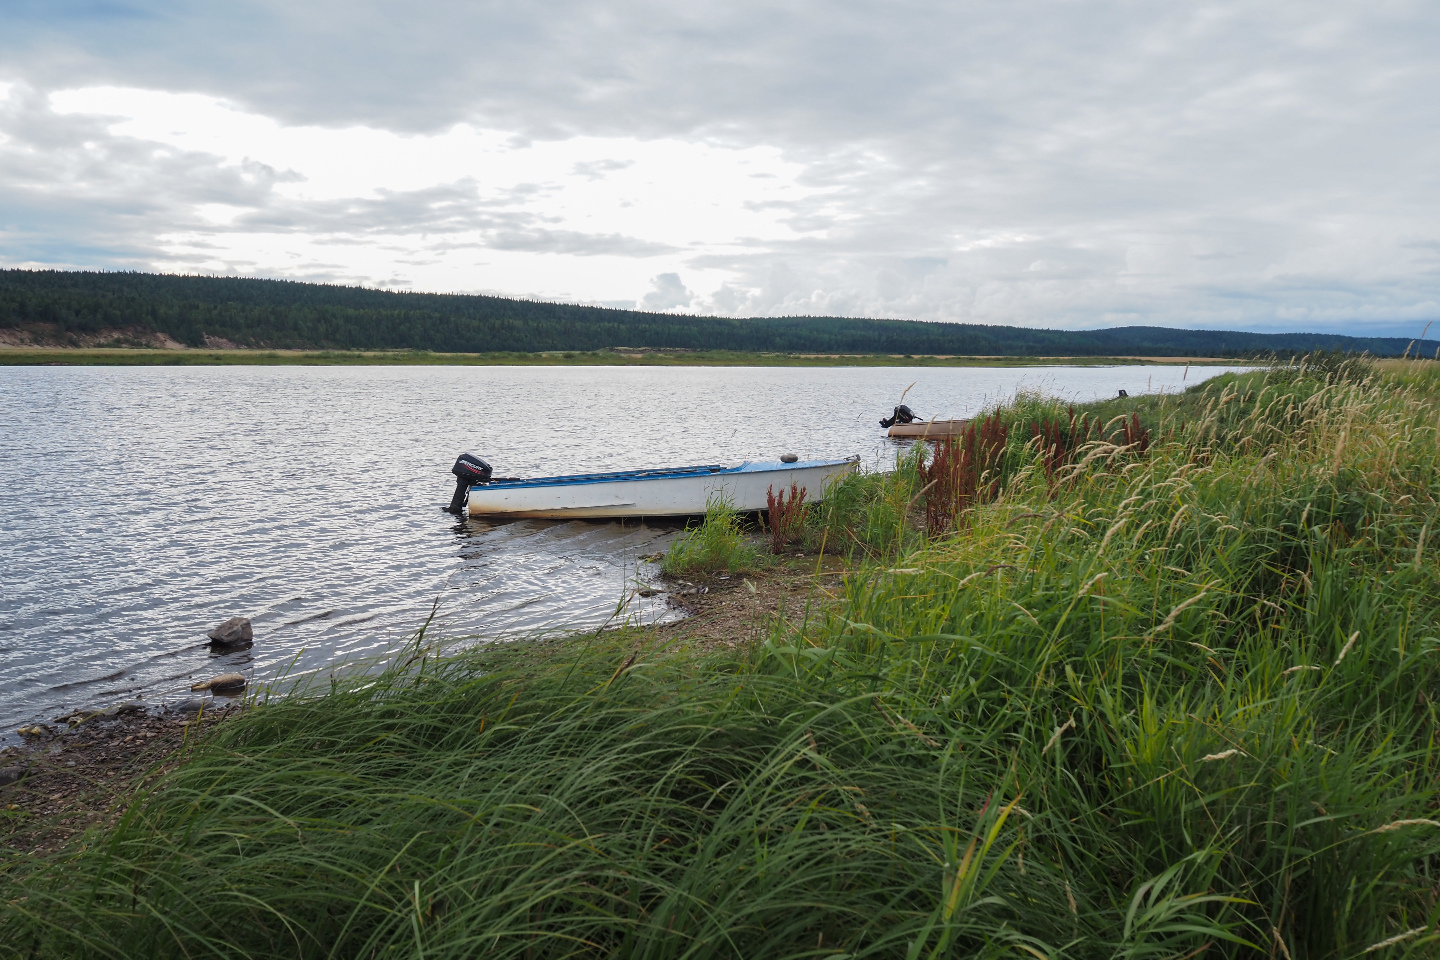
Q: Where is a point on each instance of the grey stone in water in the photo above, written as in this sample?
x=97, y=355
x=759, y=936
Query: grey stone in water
x=232, y=632
x=226, y=681
x=15, y=774
x=788, y=458
x=193, y=705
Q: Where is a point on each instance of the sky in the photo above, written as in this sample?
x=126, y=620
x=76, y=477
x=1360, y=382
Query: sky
x=1243, y=165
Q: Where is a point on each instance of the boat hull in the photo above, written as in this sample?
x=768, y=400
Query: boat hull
x=929, y=430
x=679, y=493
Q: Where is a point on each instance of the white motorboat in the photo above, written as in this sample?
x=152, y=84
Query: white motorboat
x=670, y=492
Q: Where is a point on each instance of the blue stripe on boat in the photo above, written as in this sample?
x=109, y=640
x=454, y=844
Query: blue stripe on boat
x=664, y=473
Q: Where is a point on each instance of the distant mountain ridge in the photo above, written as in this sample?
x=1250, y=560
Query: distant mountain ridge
x=288, y=314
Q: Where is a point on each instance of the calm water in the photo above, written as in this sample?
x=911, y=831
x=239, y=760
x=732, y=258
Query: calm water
x=140, y=506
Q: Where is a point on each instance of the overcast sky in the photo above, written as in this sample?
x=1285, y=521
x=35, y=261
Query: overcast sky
x=1254, y=165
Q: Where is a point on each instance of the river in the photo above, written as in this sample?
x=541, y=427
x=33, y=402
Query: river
x=143, y=505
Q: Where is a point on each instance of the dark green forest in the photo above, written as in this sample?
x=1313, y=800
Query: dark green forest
x=284, y=314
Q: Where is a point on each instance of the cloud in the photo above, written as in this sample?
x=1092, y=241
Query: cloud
x=666, y=293
x=1235, y=163
x=579, y=244
x=74, y=195
x=597, y=169
x=116, y=177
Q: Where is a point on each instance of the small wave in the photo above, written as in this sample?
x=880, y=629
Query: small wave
x=524, y=603
x=85, y=683
x=178, y=651
x=354, y=620
x=313, y=616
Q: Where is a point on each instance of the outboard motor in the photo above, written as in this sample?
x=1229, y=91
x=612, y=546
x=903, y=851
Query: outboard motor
x=470, y=471
x=902, y=414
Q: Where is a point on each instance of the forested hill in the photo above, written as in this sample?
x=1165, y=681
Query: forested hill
x=287, y=314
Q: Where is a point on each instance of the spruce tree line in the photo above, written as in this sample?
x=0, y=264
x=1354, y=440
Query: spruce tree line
x=287, y=314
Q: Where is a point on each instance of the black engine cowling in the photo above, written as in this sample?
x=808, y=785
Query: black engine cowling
x=902, y=414
x=470, y=471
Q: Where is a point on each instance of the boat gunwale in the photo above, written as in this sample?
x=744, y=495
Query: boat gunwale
x=662, y=473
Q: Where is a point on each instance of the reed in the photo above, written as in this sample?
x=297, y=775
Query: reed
x=963, y=471
x=785, y=518
x=1173, y=704
x=1057, y=444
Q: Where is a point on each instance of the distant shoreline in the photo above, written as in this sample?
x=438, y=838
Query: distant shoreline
x=62, y=309
x=149, y=357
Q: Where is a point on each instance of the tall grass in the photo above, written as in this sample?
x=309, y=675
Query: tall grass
x=717, y=543
x=1173, y=705
x=871, y=515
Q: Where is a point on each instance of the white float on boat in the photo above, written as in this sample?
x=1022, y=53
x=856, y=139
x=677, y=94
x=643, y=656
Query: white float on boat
x=672, y=492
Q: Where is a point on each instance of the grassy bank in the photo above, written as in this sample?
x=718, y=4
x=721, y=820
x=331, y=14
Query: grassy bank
x=123, y=357
x=1158, y=681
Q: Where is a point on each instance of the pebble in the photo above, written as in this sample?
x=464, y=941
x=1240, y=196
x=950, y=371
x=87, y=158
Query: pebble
x=646, y=592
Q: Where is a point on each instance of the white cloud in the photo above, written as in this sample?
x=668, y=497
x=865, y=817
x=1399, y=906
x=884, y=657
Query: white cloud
x=667, y=292
x=1236, y=163
x=459, y=209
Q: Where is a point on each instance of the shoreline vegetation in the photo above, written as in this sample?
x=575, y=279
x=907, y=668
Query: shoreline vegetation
x=185, y=356
x=1155, y=677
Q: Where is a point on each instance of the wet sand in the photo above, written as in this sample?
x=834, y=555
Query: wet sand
x=83, y=776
